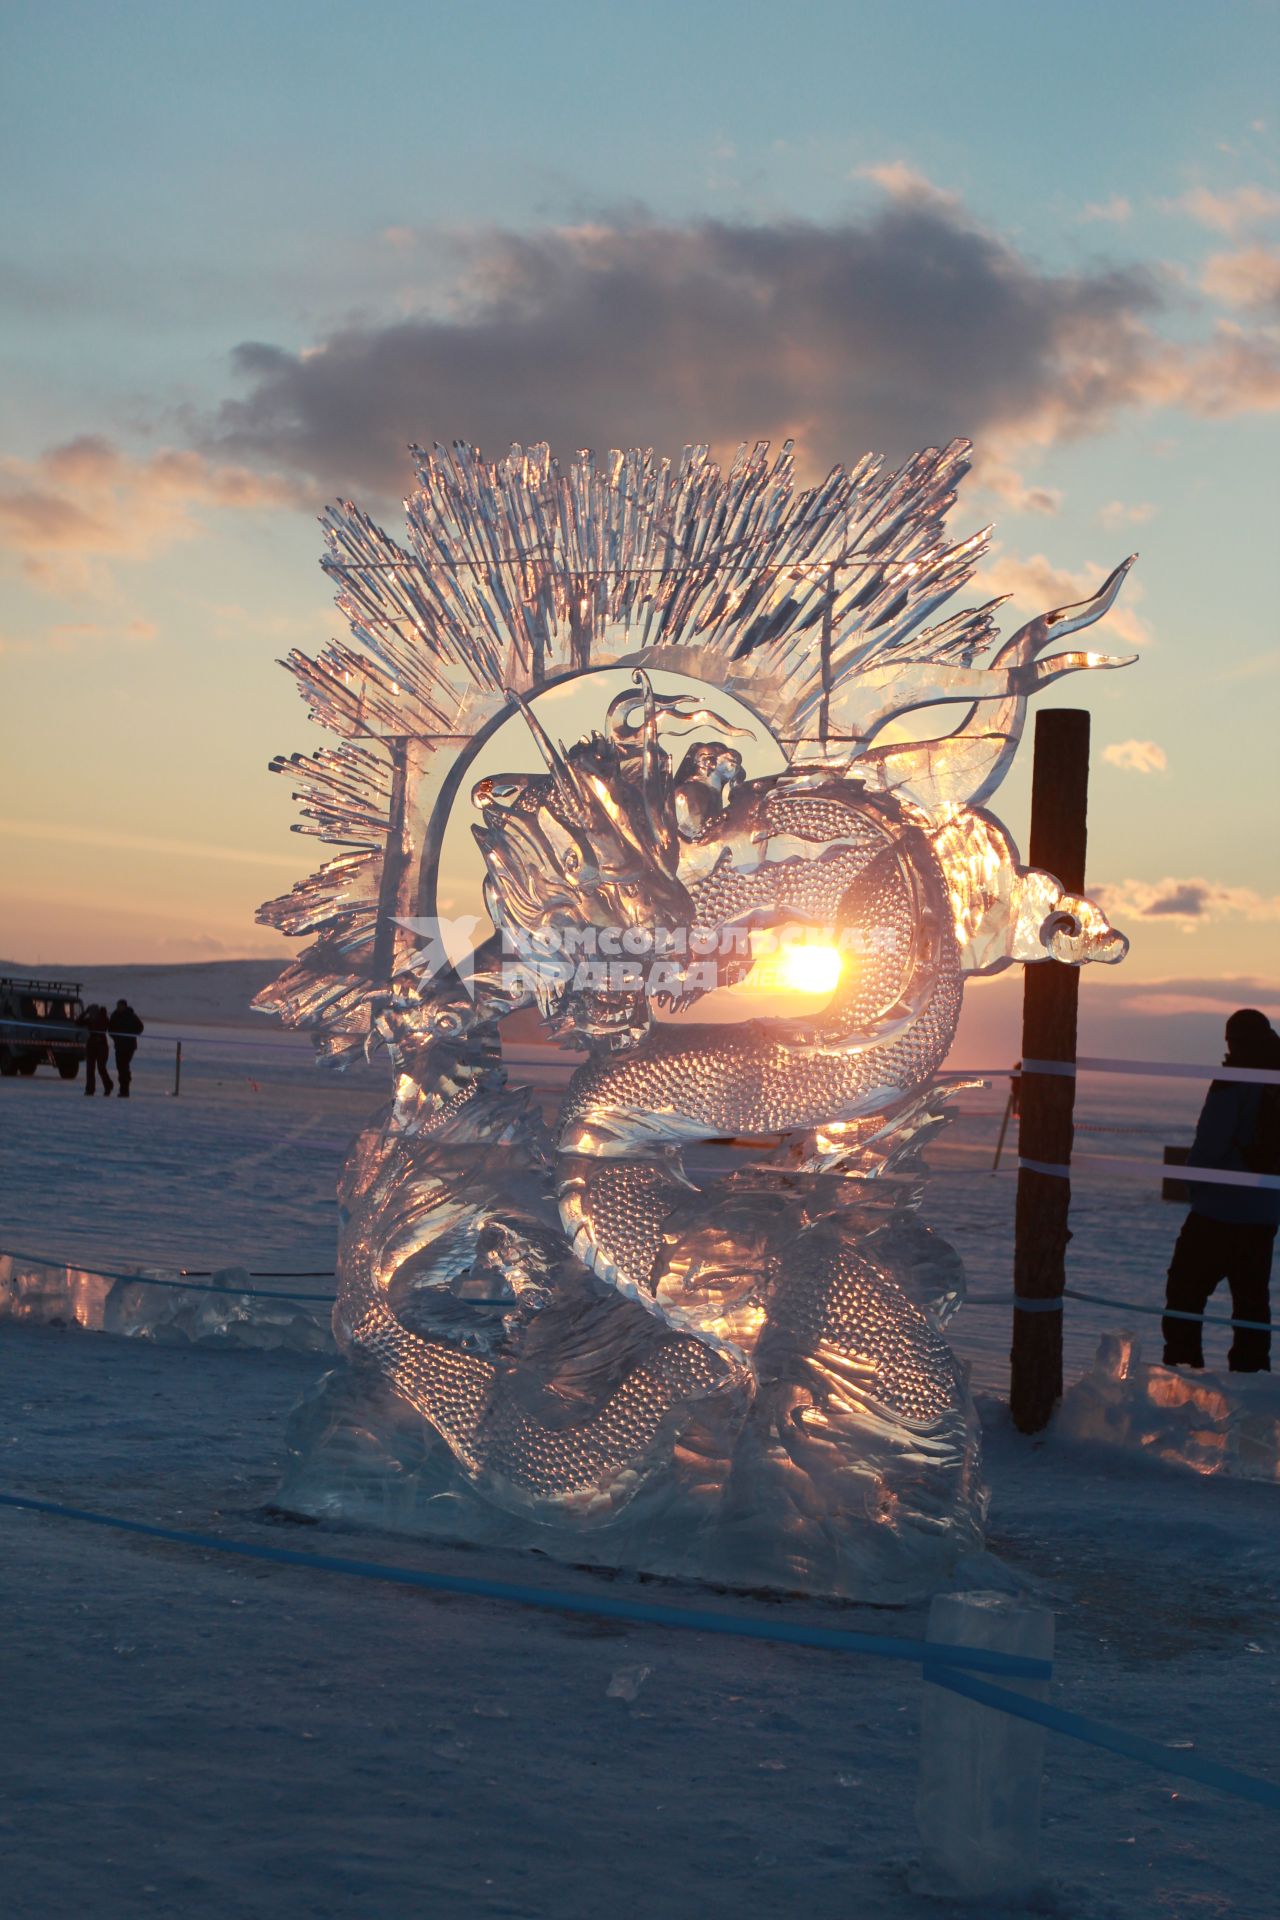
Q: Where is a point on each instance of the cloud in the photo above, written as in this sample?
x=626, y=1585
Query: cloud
x=70, y=636
x=1136, y=756
x=110, y=841
x=1199, y=995
x=903, y=182
x=1258, y=667
x=88, y=501
x=1248, y=278
x=1228, y=989
x=1115, y=211
x=1035, y=585
x=1189, y=901
x=1118, y=514
x=1010, y=487
x=895, y=331
x=1234, y=372
x=1232, y=212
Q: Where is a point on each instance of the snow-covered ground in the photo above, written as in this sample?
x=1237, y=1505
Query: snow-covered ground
x=191, y=1735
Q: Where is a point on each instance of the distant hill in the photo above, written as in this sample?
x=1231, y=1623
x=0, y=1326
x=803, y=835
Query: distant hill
x=1121, y=1017
x=210, y=993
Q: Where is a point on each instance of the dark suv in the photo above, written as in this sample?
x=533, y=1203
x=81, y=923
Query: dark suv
x=34, y=1018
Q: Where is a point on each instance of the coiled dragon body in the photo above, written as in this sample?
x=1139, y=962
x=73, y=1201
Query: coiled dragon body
x=606, y=1328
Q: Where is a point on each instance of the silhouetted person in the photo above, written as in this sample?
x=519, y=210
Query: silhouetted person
x=97, y=1048
x=125, y=1028
x=1230, y=1231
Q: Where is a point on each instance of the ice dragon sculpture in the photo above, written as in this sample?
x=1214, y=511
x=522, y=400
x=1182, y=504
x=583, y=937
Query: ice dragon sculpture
x=583, y=1335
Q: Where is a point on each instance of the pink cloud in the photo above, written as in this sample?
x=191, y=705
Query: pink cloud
x=1187, y=901
x=1228, y=212
x=1136, y=756
x=1247, y=278
x=1117, y=513
x=1011, y=487
x=89, y=501
x=901, y=181
x=1115, y=211
x=1035, y=584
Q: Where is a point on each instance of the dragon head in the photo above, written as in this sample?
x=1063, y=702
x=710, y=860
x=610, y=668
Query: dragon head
x=582, y=862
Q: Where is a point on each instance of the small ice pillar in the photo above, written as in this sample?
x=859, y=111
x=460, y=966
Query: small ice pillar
x=978, y=1800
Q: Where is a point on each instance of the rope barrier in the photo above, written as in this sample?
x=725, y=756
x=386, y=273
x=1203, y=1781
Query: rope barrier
x=38, y=1032
x=1134, y=1746
x=1159, y=1069
x=549, y=1600
x=1027, y=1304
x=37, y=1035
x=1191, y=1176
x=183, y=1285
x=263, y=1273
x=1170, y=1313
x=956, y=1667
x=1118, y=1306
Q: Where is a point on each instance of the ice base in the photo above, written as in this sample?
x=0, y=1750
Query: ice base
x=360, y=1454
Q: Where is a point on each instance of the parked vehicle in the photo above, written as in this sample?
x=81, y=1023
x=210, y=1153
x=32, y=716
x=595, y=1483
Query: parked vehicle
x=35, y=1016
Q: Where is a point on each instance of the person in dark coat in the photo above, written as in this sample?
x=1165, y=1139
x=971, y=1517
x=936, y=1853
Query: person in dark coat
x=1230, y=1231
x=125, y=1028
x=97, y=1048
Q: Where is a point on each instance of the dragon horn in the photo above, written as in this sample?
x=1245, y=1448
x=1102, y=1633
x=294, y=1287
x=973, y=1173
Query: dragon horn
x=651, y=747
x=977, y=755
x=553, y=755
x=1027, y=642
x=655, y=776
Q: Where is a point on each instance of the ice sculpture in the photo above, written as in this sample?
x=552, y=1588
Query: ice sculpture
x=1226, y=1423
x=228, y=1312
x=578, y=1336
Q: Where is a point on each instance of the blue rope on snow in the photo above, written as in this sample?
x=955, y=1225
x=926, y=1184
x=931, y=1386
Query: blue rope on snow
x=1150, y=1753
x=942, y=1664
x=547, y=1600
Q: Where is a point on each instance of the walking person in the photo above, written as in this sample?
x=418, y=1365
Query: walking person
x=97, y=1048
x=1230, y=1231
x=125, y=1027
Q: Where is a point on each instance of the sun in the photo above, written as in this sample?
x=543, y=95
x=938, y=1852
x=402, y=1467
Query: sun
x=809, y=969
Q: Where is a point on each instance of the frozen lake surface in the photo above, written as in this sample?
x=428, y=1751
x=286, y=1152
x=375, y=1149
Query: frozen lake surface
x=189, y=1734
x=241, y=1170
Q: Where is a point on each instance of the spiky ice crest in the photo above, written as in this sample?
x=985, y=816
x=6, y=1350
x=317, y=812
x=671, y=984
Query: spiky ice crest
x=810, y=606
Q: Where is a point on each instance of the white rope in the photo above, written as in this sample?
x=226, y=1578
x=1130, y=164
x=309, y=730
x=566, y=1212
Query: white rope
x=1193, y=1176
x=1162, y=1069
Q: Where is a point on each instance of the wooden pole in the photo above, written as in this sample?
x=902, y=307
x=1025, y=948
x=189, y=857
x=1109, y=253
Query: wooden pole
x=1059, y=817
x=177, y=1068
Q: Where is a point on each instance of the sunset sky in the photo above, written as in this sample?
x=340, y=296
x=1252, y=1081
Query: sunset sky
x=251, y=250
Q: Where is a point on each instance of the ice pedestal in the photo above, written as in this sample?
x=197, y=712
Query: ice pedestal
x=978, y=1800
x=360, y=1454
